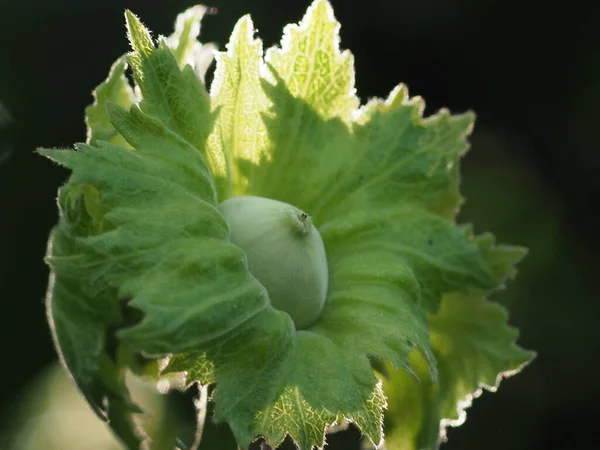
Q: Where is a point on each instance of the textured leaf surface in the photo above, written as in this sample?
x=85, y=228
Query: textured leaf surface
x=185, y=275
x=304, y=384
x=475, y=350
x=143, y=256
x=173, y=95
x=80, y=314
x=83, y=310
x=239, y=134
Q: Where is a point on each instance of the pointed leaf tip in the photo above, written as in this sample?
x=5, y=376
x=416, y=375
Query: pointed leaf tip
x=320, y=7
x=139, y=36
x=242, y=34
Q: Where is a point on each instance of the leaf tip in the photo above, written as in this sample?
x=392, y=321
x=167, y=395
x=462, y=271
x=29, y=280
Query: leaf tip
x=319, y=12
x=320, y=8
x=244, y=23
x=56, y=155
x=243, y=32
x=139, y=36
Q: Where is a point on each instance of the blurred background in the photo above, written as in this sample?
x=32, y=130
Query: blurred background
x=531, y=72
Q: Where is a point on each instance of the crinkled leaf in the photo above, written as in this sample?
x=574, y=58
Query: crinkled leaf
x=326, y=385
x=175, y=96
x=443, y=257
x=264, y=129
x=239, y=133
x=83, y=310
x=302, y=384
x=475, y=349
x=310, y=83
x=81, y=313
x=373, y=306
x=380, y=182
x=382, y=175
x=190, y=281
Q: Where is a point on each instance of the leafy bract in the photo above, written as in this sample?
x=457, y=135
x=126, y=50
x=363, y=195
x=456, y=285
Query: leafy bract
x=116, y=88
x=475, y=349
x=142, y=258
x=81, y=312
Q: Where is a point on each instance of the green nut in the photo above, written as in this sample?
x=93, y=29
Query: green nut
x=285, y=253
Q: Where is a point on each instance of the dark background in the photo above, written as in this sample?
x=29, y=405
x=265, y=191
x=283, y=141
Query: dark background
x=531, y=72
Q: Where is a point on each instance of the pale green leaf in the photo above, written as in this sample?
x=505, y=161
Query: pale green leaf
x=302, y=384
x=381, y=184
x=326, y=385
x=344, y=157
x=475, y=350
x=239, y=133
x=184, y=41
x=195, y=364
x=310, y=88
x=114, y=89
x=312, y=66
x=500, y=259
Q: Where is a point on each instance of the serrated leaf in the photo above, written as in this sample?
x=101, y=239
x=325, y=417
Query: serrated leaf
x=475, y=350
x=444, y=258
x=303, y=384
x=83, y=309
x=80, y=315
x=176, y=97
x=310, y=83
x=312, y=66
x=381, y=185
x=405, y=158
x=500, y=259
x=239, y=133
x=373, y=307
x=326, y=385
x=162, y=265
